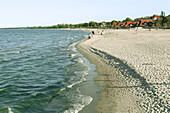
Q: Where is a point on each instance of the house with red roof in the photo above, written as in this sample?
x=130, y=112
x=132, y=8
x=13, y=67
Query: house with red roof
x=121, y=24
x=145, y=22
x=129, y=24
x=114, y=24
x=155, y=17
x=135, y=24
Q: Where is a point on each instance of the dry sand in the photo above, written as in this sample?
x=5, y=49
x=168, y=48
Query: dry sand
x=135, y=69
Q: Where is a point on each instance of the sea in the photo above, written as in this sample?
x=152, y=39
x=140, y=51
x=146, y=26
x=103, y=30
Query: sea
x=39, y=69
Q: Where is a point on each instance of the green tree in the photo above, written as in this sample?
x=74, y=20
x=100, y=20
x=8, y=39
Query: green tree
x=92, y=23
x=164, y=20
x=168, y=21
x=162, y=14
x=158, y=22
x=127, y=20
x=113, y=21
x=137, y=19
x=71, y=26
x=86, y=25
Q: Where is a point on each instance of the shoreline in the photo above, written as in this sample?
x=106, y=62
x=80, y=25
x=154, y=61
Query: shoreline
x=119, y=56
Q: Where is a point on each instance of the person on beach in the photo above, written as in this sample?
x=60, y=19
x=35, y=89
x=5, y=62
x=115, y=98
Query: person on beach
x=93, y=32
x=102, y=33
x=89, y=37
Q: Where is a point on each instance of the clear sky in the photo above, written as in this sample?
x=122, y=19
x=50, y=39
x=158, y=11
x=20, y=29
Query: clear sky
x=17, y=13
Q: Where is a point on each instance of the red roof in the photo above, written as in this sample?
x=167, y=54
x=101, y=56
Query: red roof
x=135, y=22
x=129, y=24
x=145, y=21
x=114, y=24
x=156, y=16
x=120, y=24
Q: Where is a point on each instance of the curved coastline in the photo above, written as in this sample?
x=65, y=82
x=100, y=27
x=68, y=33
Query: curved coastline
x=126, y=59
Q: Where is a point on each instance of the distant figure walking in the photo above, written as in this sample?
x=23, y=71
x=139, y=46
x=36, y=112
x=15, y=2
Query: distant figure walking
x=93, y=32
x=102, y=33
x=89, y=37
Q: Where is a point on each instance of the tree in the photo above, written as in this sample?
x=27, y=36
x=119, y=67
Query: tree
x=158, y=22
x=164, y=20
x=71, y=25
x=92, y=23
x=162, y=14
x=146, y=17
x=113, y=21
x=127, y=20
x=137, y=19
x=86, y=25
x=168, y=21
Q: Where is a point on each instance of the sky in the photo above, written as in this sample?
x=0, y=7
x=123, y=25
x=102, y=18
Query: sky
x=23, y=13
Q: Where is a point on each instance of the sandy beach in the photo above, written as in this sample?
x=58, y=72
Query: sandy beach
x=134, y=67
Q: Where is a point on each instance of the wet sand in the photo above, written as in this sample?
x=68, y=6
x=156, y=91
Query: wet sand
x=135, y=69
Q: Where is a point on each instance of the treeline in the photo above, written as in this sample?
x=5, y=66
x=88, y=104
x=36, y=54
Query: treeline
x=162, y=22
x=91, y=24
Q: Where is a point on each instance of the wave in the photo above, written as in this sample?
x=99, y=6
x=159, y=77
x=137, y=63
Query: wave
x=73, y=55
x=71, y=85
x=82, y=100
x=85, y=100
x=9, y=110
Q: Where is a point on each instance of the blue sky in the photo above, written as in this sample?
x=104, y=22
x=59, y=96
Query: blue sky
x=17, y=13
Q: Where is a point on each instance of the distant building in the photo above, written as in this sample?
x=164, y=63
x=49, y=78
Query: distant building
x=114, y=25
x=133, y=24
x=128, y=24
x=145, y=22
x=121, y=24
x=155, y=17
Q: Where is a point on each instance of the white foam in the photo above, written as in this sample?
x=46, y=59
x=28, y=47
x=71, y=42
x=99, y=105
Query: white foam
x=71, y=46
x=16, y=52
x=81, y=72
x=78, y=82
x=70, y=86
x=62, y=89
x=80, y=60
x=86, y=100
x=9, y=110
x=72, y=55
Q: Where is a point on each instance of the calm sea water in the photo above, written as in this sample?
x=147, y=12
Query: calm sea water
x=38, y=69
